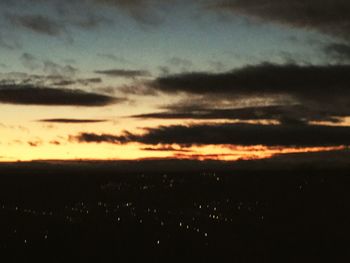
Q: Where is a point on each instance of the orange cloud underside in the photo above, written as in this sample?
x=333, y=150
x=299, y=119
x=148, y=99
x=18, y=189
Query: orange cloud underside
x=136, y=151
x=234, y=153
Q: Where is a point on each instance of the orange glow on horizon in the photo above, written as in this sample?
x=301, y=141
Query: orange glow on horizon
x=137, y=152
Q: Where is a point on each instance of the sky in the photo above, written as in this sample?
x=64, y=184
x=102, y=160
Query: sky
x=205, y=79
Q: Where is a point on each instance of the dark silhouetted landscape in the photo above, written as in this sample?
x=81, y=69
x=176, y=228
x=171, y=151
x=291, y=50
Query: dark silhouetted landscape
x=199, y=212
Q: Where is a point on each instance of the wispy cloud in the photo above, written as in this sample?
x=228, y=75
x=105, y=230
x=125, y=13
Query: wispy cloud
x=123, y=73
x=340, y=52
x=38, y=23
x=71, y=121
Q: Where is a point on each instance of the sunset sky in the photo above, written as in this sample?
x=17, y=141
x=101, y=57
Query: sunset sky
x=205, y=79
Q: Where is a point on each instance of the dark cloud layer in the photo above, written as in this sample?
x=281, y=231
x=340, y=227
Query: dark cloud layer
x=301, y=81
x=122, y=73
x=284, y=114
x=71, y=121
x=327, y=16
x=321, y=90
x=30, y=95
x=228, y=133
x=303, y=93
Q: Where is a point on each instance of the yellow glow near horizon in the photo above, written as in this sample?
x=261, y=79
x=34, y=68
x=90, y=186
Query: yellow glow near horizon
x=23, y=138
x=94, y=151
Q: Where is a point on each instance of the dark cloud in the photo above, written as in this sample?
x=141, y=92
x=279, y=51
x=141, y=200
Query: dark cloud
x=338, y=51
x=327, y=16
x=71, y=121
x=90, y=81
x=38, y=23
x=228, y=133
x=284, y=114
x=35, y=143
x=55, y=18
x=122, y=73
x=304, y=93
x=63, y=82
x=136, y=89
x=323, y=89
x=31, y=95
x=166, y=149
x=264, y=78
x=57, y=143
x=100, y=138
x=17, y=78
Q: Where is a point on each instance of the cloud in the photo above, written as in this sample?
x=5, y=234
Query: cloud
x=88, y=21
x=55, y=18
x=291, y=114
x=319, y=88
x=30, y=62
x=49, y=67
x=71, y=121
x=166, y=149
x=53, y=68
x=38, y=24
x=205, y=157
x=8, y=42
x=229, y=133
x=18, y=78
x=89, y=14
x=87, y=81
x=180, y=62
x=292, y=93
x=338, y=51
x=327, y=16
x=31, y=95
x=122, y=73
x=145, y=12
x=113, y=58
x=99, y=138
x=264, y=78
x=36, y=143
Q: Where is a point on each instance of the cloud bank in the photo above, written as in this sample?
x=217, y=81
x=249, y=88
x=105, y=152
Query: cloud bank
x=327, y=16
x=31, y=95
x=229, y=133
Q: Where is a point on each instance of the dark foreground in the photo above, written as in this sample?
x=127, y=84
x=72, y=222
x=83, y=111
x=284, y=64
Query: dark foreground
x=63, y=214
